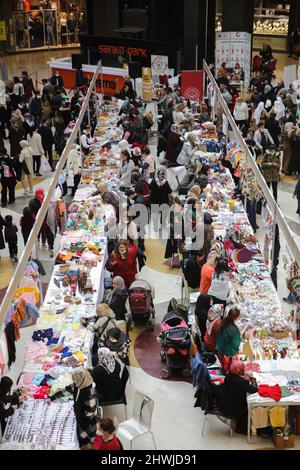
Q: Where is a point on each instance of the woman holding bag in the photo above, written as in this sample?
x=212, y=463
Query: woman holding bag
x=26, y=161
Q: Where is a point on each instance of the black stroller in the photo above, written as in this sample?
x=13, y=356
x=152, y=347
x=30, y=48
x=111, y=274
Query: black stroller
x=176, y=341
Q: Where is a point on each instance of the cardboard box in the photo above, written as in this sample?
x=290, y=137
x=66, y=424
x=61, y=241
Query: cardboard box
x=281, y=443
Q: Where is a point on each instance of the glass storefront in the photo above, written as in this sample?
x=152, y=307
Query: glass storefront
x=48, y=24
x=271, y=23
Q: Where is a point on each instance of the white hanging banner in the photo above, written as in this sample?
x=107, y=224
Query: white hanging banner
x=232, y=48
x=159, y=66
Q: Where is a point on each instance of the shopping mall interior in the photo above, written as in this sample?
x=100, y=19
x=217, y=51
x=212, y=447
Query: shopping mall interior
x=198, y=102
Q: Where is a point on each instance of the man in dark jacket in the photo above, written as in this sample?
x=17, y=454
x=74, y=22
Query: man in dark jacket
x=8, y=178
x=56, y=101
x=47, y=140
x=57, y=80
x=192, y=271
x=36, y=107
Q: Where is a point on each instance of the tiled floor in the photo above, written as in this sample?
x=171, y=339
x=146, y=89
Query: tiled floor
x=176, y=423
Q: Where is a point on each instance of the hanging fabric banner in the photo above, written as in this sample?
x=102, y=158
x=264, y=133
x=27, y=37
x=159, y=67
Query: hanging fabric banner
x=192, y=84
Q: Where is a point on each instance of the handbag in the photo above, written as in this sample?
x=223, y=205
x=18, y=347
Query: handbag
x=25, y=168
x=45, y=167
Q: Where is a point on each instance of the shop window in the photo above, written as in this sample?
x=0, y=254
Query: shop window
x=48, y=23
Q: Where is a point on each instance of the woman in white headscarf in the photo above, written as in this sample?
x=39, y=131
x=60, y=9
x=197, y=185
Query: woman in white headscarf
x=260, y=114
x=107, y=376
x=279, y=109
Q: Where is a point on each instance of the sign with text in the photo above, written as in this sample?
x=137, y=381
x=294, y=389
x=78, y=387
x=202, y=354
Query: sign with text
x=192, y=84
x=2, y=31
x=147, y=84
x=139, y=50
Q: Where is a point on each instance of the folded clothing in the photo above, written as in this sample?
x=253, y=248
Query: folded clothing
x=40, y=335
x=42, y=393
x=273, y=392
x=34, y=351
x=286, y=392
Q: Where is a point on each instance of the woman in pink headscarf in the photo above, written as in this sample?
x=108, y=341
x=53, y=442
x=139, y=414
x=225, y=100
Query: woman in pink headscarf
x=232, y=396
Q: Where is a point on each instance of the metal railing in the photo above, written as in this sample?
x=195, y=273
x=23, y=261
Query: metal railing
x=14, y=283
x=274, y=208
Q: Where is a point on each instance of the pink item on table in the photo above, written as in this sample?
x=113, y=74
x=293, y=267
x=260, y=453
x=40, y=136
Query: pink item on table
x=26, y=379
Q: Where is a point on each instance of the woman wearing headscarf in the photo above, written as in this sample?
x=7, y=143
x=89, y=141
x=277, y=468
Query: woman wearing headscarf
x=107, y=376
x=160, y=191
x=260, y=114
x=85, y=404
x=213, y=324
x=103, y=321
x=201, y=310
x=174, y=145
x=122, y=262
x=36, y=202
x=294, y=166
x=118, y=342
x=279, y=109
x=288, y=137
x=26, y=160
x=9, y=402
x=118, y=297
x=208, y=233
x=232, y=396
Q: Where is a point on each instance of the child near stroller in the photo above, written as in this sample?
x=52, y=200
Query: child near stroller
x=176, y=342
x=141, y=295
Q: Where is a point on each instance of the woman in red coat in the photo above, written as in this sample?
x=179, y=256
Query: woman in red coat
x=122, y=262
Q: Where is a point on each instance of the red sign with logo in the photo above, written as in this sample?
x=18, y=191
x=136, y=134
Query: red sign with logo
x=192, y=84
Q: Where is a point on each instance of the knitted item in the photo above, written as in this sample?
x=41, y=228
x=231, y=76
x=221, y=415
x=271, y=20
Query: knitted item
x=259, y=418
x=277, y=416
x=286, y=392
x=270, y=392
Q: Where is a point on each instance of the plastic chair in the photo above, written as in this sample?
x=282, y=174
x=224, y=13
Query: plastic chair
x=122, y=400
x=141, y=420
x=218, y=414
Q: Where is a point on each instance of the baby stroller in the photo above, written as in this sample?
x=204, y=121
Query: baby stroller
x=141, y=296
x=175, y=338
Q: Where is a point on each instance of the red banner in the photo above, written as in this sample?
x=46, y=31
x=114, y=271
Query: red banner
x=192, y=84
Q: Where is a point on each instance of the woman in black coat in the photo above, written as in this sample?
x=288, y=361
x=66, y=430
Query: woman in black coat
x=2, y=224
x=232, y=396
x=202, y=306
x=107, y=376
x=8, y=402
x=160, y=191
x=274, y=128
x=118, y=297
x=294, y=166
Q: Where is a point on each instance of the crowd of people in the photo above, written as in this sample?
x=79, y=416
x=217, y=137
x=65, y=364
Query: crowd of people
x=35, y=124
x=267, y=118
